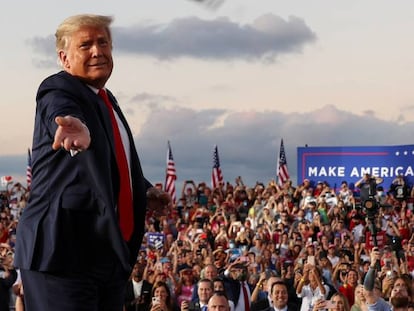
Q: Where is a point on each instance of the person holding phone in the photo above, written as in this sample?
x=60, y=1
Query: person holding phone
x=338, y=302
x=401, y=293
x=348, y=287
x=161, y=299
x=310, y=287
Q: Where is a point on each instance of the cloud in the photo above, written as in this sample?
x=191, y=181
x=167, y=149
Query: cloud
x=44, y=50
x=248, y=141
x=153, y=99
x=219, y=39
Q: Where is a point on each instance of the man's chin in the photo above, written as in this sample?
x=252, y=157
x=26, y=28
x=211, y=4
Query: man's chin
x=279, y=306
x=97, y=81
x=400, y=301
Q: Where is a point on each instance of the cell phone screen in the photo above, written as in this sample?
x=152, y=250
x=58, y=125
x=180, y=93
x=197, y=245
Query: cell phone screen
x=311, y=260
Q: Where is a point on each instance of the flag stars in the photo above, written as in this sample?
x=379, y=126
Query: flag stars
x=405, y=153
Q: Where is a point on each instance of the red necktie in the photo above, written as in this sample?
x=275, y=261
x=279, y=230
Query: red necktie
x=125, y=210
x=246, y=297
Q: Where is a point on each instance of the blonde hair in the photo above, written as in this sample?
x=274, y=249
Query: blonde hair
x=357, y=300
x=343, y=299
x=74, y=23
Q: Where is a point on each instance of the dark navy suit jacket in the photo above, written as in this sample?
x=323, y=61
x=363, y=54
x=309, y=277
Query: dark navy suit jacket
x=70, y=222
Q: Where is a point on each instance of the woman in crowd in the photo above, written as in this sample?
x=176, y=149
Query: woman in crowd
x=161, y=298
x=185, y=285
x=311, y=288
x=338, y=302
x=360, y=303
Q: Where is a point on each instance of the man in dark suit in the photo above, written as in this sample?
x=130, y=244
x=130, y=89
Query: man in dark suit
x=138, y=290
x=236, y=287
x=280, y=297
x=205, y=289
x=82, y=228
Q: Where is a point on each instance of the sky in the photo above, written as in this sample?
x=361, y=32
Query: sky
x=239, y=74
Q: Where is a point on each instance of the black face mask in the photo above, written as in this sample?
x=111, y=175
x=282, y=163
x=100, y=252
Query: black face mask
x=242, y=276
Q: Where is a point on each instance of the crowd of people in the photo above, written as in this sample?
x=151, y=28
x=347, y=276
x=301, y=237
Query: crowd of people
x=261, y=247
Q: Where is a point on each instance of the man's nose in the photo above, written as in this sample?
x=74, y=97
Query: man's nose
x=96, y=49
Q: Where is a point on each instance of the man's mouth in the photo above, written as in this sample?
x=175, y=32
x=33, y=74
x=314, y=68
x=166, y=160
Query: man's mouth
x=98, y=65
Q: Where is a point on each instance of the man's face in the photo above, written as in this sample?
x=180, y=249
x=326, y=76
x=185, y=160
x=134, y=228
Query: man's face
x=204, y=291
x=399, y=288
x=218, y=303
x=88, y=56
x=210, y=272
x=237, y=274
x=138, y=271
x=279, y=296
x=399, y=294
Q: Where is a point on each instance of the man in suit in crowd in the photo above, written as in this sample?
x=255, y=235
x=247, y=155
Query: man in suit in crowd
x=138, y=290
x=82, y=228
x=262, y=293
x=237, y=288
x=280, y=297
x=218, y=302
x=205, y=290
x=209, y=272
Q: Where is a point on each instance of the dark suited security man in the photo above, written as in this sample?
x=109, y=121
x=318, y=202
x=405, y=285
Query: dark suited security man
x=77, y=240
x=138, y=290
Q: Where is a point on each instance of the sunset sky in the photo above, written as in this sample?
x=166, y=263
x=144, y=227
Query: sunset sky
x=242, y=75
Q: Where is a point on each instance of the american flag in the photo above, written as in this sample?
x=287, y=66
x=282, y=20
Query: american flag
x=171, y=175
x=29, y=169
x=282, y=171
x=216, y=176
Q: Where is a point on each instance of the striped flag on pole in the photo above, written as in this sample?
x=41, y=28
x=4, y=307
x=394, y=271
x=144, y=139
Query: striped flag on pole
x=216, y=175
x=171, y=175
x=29, y=169
x=282, y=170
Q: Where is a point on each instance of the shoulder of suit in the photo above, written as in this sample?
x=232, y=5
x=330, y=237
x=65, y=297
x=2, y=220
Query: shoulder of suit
x=63, y=81
x=60, y=78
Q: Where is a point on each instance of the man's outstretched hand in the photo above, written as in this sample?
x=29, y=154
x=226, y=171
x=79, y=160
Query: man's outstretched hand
x=71, y=134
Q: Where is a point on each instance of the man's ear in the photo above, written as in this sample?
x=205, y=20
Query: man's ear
x=63, y=59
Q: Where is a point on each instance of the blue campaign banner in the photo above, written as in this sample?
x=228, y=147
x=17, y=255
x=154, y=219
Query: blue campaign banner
x=155, y=239
x=337, y=164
